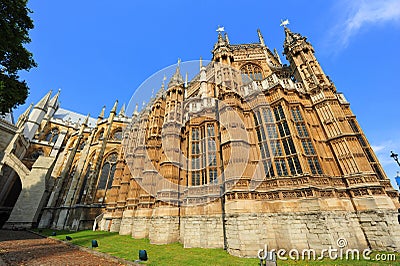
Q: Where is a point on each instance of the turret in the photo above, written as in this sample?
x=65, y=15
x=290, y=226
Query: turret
x=174, y=96
x=176, y=79
x=305, y=67
x=36, y=116
x=222, y=51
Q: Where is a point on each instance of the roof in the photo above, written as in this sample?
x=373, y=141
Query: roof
x=72, y=117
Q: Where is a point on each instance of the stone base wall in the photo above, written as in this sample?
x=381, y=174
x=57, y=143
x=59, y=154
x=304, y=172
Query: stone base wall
x=126, y=225
x=164, y=229
x=202, y=231
x=276, y=225
x=382, y=229
x=247, y=233
x=140, y=227
x=115, y=225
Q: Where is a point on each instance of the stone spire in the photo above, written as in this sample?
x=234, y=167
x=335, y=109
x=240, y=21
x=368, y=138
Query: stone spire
x=221, y=42
x=276, y=54
x=136, y=112
x=85, y=122
x=227, y=39
x=163, y=82
x=43, y=103
x=101, y=115
x=260, y=37
x=177, y=77
x=53, y=105
x=24, y=116
x=122, y=111
x=114, y=109
x=291, y=38
x=36, y=116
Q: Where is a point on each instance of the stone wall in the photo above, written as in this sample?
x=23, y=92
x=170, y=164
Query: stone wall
x=164, y=229
x=250, y=225
x=202, y=231
x=116, y=226
x=126, y=223
x=382, y=229
x=140, y=227
x=247, y=233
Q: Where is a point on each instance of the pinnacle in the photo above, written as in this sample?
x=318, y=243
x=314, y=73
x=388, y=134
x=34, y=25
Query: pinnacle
x=176, y=79
x=42, y=104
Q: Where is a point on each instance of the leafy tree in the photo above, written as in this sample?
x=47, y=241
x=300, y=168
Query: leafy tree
x=14, y=26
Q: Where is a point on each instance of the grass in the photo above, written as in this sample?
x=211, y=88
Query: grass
x=171, y=254
x=174, y=254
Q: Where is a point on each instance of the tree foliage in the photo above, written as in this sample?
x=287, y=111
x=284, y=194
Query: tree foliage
x=15, y=24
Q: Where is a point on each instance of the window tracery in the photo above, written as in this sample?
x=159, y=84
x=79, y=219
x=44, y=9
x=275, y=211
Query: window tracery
x=203, y=155
x=107, y=172
x=252, y=72
x=117, y=135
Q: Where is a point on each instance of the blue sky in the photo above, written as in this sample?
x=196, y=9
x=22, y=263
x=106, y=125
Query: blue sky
x=98, y=51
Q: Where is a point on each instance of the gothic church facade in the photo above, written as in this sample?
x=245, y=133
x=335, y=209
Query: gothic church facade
x=249, y=152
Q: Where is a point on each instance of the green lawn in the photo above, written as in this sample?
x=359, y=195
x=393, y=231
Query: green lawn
x=174, y=254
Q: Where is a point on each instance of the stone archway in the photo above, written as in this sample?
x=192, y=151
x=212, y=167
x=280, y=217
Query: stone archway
x=25, y=213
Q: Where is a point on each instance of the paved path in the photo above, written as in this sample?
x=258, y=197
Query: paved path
x=26, y=248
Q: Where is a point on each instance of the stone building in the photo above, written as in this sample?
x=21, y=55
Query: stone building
x=249, y=152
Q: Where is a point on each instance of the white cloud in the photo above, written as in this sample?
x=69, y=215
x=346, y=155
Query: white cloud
x=360, y=14
x=378, y=148
x=382, y=150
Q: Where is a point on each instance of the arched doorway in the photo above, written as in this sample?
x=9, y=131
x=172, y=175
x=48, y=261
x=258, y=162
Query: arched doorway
x=10, y=188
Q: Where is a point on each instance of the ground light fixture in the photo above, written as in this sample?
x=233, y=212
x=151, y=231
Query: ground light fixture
x=143, y=255
x=94, y=243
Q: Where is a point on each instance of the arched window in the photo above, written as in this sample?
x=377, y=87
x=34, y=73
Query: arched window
x=100, y=134
x=83, y=188
x=251, y=72
x=52, y=136
x=82, y=144
x=107, y=172
x=117, y=135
